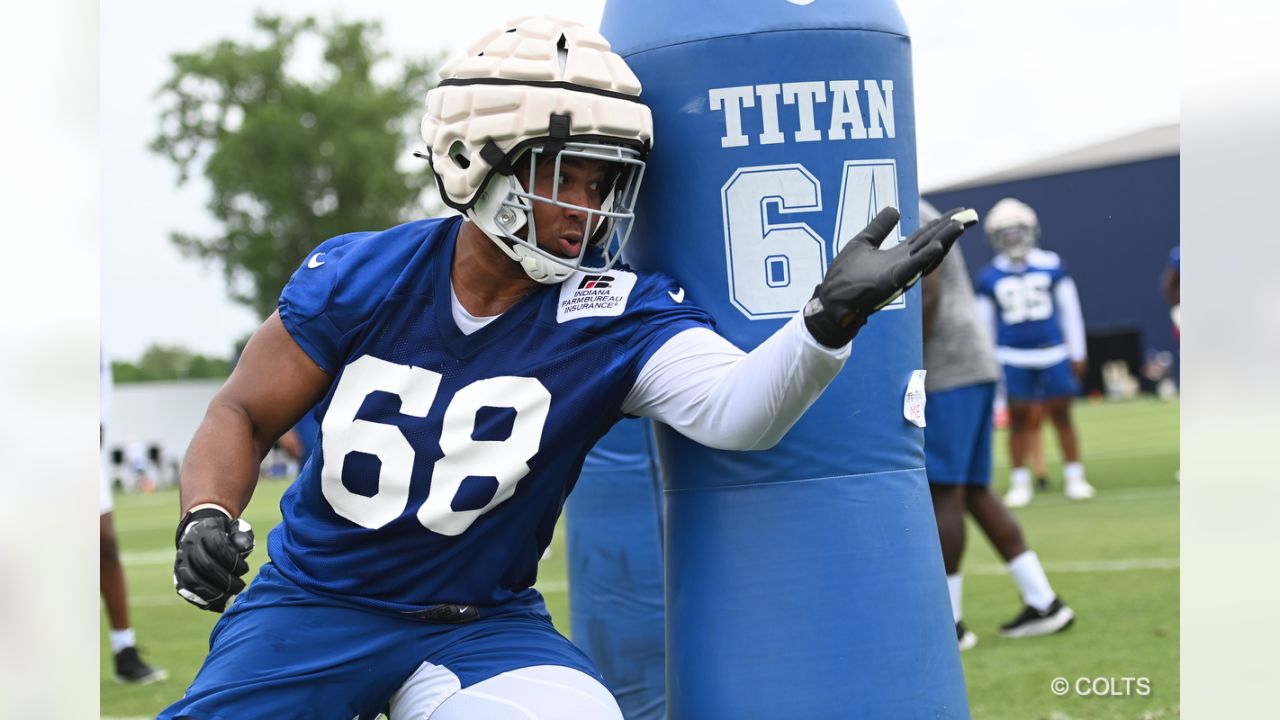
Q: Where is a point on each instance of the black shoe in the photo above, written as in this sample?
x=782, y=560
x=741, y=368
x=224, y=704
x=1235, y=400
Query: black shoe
x=965, y=637
x=1032, y=622
x=131, y=669
x=1042, y=482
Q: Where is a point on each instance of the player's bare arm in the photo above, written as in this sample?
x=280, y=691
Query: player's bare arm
x=273, y=385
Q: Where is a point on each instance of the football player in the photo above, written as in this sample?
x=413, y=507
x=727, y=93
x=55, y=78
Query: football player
x=461, y=369
x=300, y=439
x=1171, y=287
x=960, y=377
x=129, y=665
x=1027, y=297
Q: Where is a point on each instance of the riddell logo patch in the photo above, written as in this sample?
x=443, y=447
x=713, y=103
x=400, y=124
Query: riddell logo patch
x=595, y=281
x=584, y=296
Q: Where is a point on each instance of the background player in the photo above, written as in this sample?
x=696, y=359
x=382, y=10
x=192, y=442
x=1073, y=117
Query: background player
x=960, y=378
x=1026, y=295
x=1171, y=287
x=462, y=369
x=300, y=440
x=130, y=667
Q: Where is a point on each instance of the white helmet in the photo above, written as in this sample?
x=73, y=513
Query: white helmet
x=538, y=87
x=1012, y=228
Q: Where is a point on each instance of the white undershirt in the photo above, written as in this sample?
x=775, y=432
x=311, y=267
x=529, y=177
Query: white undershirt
x=465, y=321
x=714, y=393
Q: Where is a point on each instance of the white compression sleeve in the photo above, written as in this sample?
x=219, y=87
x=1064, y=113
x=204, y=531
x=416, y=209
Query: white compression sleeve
x=715, y=394
x=1070, y=317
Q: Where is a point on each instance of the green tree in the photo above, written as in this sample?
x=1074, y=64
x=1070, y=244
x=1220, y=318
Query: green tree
x=293, y=161
x=169, y=362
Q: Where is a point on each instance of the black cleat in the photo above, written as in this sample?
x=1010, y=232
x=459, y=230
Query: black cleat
x=1042, y=482
x=1032, y=622
x=131, y=669
x=965, y=637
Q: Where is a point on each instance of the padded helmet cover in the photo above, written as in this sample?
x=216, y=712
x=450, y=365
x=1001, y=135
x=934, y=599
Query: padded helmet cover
x=505, y=89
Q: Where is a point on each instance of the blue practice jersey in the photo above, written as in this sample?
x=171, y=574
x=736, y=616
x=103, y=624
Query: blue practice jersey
x=1026, y=308
x=444, y=459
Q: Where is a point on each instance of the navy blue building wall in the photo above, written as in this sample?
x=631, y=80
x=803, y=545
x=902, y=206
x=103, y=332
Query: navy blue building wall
x=1114, y=226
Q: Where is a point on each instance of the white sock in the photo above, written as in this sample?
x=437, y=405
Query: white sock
x=1073, y=472
x=954, y=585
x=1020, y=477
x=1032, y=583
x=121, y=639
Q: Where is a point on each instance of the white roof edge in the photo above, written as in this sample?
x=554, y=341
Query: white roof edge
x=1155, y=142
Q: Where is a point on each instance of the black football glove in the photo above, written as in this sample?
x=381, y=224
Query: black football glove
x=862, y=279
x=211, y=557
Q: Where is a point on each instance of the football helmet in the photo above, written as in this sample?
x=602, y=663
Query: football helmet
x=539, y=89
x=1012, y=228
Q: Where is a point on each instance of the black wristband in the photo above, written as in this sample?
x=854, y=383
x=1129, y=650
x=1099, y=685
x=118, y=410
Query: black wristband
x=824, y=328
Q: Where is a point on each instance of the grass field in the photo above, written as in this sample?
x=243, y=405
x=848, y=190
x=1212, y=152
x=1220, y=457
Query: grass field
x=1114, y=559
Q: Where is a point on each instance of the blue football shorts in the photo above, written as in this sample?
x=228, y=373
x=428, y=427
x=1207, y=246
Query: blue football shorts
x=1036, y=384
x=282, y=651
x=957, y=435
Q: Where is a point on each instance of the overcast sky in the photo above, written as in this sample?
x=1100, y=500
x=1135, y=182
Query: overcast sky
x=997, y=83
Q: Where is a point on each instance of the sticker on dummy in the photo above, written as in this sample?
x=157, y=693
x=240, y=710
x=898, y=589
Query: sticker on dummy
x=604, y=295
x=913, y=401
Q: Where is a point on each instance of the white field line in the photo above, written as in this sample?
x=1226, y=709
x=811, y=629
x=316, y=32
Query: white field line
x=555, y=587
x=1128, y=453
x=149, y=500
x=165, y=557
x=130, y=526
x=138, y=558
x=1086, y=566
x=1055, y=497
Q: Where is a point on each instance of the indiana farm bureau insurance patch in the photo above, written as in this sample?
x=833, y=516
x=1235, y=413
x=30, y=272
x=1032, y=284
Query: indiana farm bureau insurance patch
x=602, y=295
